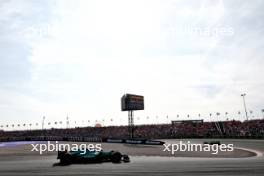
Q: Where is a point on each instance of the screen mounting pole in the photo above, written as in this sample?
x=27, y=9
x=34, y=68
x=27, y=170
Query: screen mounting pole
x=131, y=124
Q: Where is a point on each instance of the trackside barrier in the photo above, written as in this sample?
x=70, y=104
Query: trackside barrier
x=134, y=141
x=81, y=139
x=51, y=138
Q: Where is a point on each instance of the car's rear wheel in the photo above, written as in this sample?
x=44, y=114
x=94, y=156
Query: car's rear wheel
x=65, y=159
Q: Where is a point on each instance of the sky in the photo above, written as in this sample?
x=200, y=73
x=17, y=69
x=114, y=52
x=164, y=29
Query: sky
x=76, y=58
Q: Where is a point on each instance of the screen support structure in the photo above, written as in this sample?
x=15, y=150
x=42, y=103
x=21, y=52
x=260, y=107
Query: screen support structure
x=131, y=124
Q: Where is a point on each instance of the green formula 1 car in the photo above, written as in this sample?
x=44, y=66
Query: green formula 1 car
x=91, y=157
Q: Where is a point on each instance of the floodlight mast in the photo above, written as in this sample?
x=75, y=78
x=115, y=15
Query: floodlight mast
x=245, y=107
x=43, y=120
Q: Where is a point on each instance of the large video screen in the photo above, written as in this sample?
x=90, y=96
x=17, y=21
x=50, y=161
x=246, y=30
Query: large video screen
x=131, y=102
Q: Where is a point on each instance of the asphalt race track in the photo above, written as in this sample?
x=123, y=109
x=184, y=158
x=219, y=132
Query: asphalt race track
x=142, y=165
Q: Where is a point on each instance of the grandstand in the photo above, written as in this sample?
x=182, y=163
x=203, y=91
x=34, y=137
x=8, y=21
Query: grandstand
x=222, y=129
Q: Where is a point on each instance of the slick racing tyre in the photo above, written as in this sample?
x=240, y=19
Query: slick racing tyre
x=116, y=157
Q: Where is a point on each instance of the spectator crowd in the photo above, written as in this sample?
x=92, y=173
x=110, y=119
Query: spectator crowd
x=224, y=129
